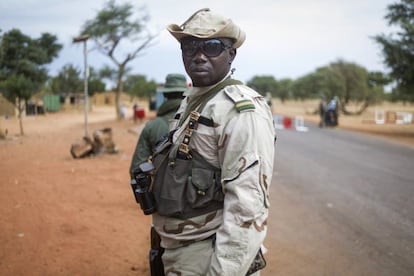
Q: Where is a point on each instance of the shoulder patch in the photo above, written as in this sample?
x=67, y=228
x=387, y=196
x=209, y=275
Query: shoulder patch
x=241, y=102
x=244, y=105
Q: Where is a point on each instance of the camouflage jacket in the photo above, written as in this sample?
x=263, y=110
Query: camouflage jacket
x=153, y=131
x=240, y=142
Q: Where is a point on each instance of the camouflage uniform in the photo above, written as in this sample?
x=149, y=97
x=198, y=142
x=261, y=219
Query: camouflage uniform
x=241, y=143
x=212, y=215
x=153, y=131
x=157, y=128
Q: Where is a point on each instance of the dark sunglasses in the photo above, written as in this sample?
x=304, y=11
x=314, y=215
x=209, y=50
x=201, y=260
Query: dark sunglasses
x=210, y=48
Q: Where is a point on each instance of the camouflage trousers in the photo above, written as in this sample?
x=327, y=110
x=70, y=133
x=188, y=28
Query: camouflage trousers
x=191, y=260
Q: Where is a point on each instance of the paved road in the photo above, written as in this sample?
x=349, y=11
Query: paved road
x=342, y=204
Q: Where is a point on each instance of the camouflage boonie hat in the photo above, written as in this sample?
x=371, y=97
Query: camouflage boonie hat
x=175, y=83
x=206, y=24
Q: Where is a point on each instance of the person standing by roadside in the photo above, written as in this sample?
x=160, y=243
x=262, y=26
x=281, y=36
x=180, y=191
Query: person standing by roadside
x=212, y=176
x=322, y=111
x=332, y=111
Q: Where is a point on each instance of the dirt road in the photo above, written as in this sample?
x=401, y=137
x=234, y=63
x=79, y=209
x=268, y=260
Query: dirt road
x=61, y=216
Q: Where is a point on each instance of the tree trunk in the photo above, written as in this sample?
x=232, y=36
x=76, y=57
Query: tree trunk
x=21, y=124
x=20, y=115
x=117, y=104
x=119, y=88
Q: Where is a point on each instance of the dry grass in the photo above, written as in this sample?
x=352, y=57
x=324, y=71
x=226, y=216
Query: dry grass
x=365, y=122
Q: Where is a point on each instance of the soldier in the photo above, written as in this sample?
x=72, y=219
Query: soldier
x=212, y=176
x=154, y=130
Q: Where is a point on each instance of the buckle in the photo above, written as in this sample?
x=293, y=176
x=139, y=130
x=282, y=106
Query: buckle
x=184, y=148
x=192, y=124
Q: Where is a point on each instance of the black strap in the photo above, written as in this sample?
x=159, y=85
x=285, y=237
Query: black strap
x=206, y=121
x=201, y=120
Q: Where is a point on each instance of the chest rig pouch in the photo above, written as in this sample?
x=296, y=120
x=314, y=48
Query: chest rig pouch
x=185, y=187
x=185, y=184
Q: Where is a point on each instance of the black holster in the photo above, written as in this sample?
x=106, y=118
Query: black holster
x=155, y=254
x=259, y=263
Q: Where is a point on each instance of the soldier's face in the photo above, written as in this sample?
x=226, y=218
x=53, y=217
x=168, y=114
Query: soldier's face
x=207, y=61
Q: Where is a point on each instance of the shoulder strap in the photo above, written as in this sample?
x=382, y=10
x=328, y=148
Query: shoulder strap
x=202, y=100
x=183, y=150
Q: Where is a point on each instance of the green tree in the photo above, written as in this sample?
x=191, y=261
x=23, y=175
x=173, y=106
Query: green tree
x=327, y=82
x=308, y=86
x=108, y=73
x=301, y=87
x=398, y=48
x=356, y=87
x=95, y=83
x=263, y=84
x=67, y=81
x=376, y=82
x=111, y=29
x=138, y=86
x=23, y=63
x=350, y=82
x=284, y=89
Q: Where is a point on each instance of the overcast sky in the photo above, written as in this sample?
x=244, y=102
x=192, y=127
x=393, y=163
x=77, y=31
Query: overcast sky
x=285, y=38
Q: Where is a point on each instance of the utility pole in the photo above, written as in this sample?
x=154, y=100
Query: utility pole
x=84, y=39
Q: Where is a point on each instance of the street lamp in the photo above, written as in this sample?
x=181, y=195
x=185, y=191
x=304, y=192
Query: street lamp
x=84, y=39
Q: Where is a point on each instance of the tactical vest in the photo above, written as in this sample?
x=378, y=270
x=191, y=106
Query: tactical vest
x=185, y=184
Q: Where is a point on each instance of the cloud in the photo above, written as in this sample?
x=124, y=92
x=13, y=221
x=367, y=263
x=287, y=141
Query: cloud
x=284, y=38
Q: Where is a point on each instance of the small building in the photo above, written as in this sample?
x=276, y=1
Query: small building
x=51, y=103
x=108, y=98
x=6, y=107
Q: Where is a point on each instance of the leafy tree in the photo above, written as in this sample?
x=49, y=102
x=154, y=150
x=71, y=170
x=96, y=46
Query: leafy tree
x=350, y=82
x=300, y=87
x=95, y=83
x=108, y=73
x=67, y=81
x=111, y=29
x=377, y=81
x=313, y=85
x=111, y=75
x=138, y=86
x=355, y=86
x=263, y=84
x=284, y=89
x=22, y=66
x=326, y=82
x=398, y=48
